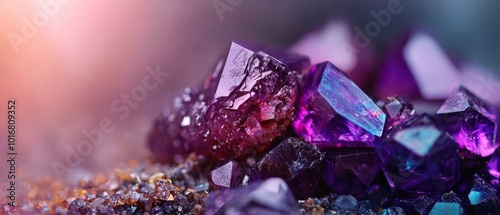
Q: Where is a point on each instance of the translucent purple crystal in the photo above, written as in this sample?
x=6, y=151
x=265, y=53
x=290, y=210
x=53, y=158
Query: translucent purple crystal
x=294, y=160
x=334, y=111
x=271, y=196
x=397, y=109
x=420, y=157
x=226, y=174
x=471, y=121
x=350, y=170
x=254, y=100
x=421, y=204
x=410, y=69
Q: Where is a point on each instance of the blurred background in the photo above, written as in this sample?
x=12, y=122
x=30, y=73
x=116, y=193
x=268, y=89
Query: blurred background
x=68, y=67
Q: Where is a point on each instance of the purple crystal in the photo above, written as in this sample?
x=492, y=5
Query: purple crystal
x=271, y=196
x=254, y=100
x=334, y=110
x=472, y=122
x=419, y=157
x=410, y=69
x=226, y=174
x=493, y=169
x=294, y=160
x=397, y=109
x=350, y=171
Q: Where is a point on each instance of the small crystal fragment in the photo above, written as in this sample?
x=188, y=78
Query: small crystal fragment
x=226, y=174
x=397, y=109
x=493, y=169
x=294, y=160
x=472, y=122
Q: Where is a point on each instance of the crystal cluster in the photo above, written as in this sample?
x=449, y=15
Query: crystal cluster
x=274, y=130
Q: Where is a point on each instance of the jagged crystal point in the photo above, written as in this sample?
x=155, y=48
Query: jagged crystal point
x=471, y=121
x=334, y=109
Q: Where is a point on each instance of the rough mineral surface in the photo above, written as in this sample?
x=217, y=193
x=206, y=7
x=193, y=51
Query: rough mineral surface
x=254, y=100
x=397, y=109
x=296, y=161
x=333, y=111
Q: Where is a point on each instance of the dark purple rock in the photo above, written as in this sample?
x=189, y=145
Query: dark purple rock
x=333, y=111
x=419, y=157
x=397, y=109
x=350, y=171
x=471, y=121
x=254, y=100
x=296, y=161
x=226, y=174
x=271, y=196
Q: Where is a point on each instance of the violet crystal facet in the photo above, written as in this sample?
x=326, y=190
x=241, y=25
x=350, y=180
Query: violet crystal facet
x=226, y=174
x=254, y=100
x=471, y=121
x=493, y=169
x=271, y=196
x=420, y=157
x=350, y=171
x=294, y=160
x=333, y=111
x=397, y=109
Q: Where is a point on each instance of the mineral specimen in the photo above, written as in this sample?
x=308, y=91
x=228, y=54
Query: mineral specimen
x=333, y=111
x=254, y=100
x=472, y=122
x=420, y=157
x=227, y=174
x=294, y=160
x=493, y=169
x=397, y=109
x=444, y=208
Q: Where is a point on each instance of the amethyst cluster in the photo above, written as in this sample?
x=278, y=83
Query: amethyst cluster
x=273, y=129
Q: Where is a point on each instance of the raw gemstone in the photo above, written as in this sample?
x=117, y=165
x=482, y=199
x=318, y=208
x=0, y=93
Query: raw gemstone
x=493, y=169
x=452, y=197
x=350, y=170
x=417, y=156
x=254, y=101
x=397, y=109
x=296, y=161
x=226, y=174
x=271, y=196
x=444, y=208
x=471, y=121
x=333, y=111
x=410, y=69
